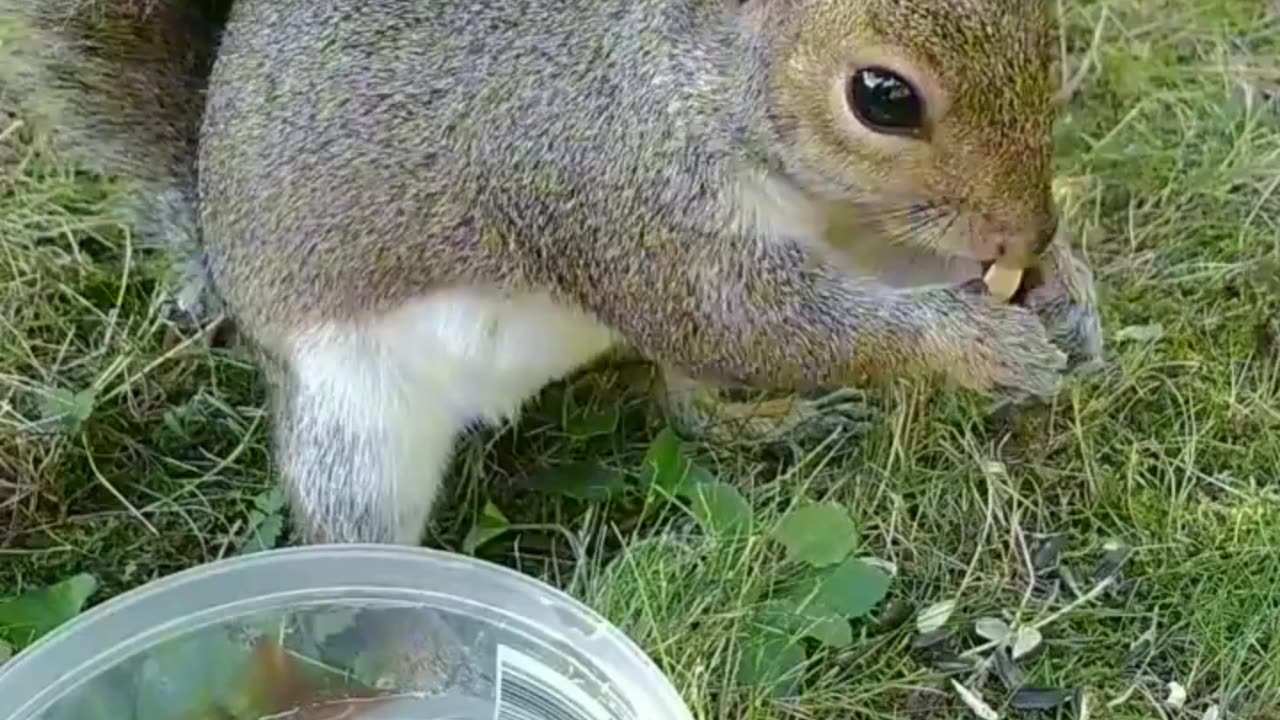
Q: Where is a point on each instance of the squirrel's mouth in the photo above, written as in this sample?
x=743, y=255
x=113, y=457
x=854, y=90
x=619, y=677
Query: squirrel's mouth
x=1010, y=284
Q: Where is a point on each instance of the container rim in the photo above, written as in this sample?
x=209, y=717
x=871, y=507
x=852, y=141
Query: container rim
x=232, y=587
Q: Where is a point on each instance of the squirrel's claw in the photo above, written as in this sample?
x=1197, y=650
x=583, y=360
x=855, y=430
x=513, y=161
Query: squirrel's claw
x=703, y=412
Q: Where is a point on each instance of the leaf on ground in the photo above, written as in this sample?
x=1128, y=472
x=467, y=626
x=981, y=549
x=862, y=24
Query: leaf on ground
x=266, y=522
x=694, y=477
x=1025, y=640
x=664, y=463
x=588, y=481
x=993, y=629
x=71, y=409
x=975, y=702
x=770, y=660
x=720, y=509
x=830, y=631
x=819, y=534
x=491, y=524
x=264, y=535
x=669, y=469
x=851, y=589
x=809, y=620
x=29, y=616
x=935, y=616
x=1031, y=698
x=1213, y=712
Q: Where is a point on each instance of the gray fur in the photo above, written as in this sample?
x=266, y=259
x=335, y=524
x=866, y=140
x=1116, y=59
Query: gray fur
x=358, y=154
x=117, y=85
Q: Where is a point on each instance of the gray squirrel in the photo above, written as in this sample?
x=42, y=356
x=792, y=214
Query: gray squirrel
x=421, y=213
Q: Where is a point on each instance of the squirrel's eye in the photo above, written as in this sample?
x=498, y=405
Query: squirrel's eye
x=885, y=102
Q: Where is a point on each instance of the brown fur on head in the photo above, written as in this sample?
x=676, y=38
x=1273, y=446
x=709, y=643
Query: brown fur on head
x=974, y=178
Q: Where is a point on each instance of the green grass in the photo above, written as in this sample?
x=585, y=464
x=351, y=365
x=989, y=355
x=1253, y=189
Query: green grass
x=1170, y=165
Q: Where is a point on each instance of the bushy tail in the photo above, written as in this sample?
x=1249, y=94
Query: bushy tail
x=117, y=86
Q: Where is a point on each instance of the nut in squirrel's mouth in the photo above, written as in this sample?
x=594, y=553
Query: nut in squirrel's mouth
x=1009, y=285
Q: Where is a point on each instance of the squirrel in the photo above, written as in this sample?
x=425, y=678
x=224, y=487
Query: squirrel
x=421, y=213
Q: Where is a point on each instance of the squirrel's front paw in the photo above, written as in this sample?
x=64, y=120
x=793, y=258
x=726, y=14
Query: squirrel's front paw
x=1001, y=348
x=1067, y=306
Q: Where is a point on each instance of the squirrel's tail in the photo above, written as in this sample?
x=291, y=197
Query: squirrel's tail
x=117, y=86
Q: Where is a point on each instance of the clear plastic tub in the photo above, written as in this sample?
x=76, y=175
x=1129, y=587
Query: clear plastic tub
x=438, y=636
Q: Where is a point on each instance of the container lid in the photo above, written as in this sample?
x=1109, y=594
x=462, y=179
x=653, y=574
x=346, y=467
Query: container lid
x=382, y=632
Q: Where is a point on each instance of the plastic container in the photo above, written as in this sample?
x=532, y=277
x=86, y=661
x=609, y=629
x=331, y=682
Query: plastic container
x=445, y=637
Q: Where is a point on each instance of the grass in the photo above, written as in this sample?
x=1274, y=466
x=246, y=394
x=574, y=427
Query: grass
x=1170, y=168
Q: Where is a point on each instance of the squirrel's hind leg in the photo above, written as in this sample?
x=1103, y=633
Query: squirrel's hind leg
x=360, y=442
x=705, y=412
x=166, y=219
x=367, y=414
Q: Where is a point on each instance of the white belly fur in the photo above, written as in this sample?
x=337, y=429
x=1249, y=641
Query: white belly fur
x=483, y=355
x=461, y=355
